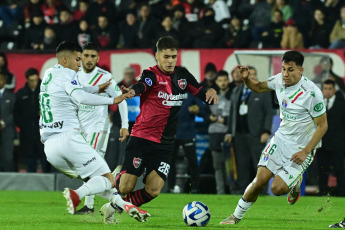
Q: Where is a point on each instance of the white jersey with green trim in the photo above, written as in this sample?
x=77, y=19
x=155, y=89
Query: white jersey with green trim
x=58, y=110
x=299, y=104
x=95, y=118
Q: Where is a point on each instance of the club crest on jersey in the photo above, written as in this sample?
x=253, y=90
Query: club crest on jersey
x=284, y=103
x=182, y=83
x=136, y=162
x=148, y=81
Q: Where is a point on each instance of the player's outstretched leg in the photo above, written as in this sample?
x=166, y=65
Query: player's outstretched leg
x=117, y=205
x=341, y=224
x=295, y=191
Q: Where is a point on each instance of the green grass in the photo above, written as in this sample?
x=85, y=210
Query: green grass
x=46, y=210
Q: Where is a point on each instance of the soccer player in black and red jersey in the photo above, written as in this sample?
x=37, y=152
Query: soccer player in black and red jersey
x=162, y=89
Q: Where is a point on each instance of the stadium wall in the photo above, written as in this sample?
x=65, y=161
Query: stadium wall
x=116, y=61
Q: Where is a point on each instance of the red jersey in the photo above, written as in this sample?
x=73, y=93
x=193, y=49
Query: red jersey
x=161, y=97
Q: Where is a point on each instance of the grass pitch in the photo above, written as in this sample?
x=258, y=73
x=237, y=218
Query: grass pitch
x=46, y=210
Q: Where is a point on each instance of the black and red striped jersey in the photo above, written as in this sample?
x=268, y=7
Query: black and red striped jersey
x=161, y=97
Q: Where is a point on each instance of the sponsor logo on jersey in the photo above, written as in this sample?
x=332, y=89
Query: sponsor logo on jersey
x=163, y=83
x=74, y=82
x=89, y=161
x=148, y=81
x=284, y=103
x=136, y=162
x=289, y=116
x=55, y=125
x=318, y=107
x=182, y=83
x=172, y=100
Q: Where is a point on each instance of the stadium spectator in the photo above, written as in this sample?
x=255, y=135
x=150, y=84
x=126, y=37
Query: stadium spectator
x=168, y=29
x=31, y=6
x=284, y=7
x=222, y=13
x=148, y=27
x=11, y=11
x=331, y=152
x=210, y=73
x=249, y=127
x=292, y=38
x=9, y=77
x=66, y=23
x=83, y=6
x=219, y=114
x=337, y=36
x=333, y=8
x=260, y=20
x=124, y=6
x=182, y=26
x=106, y=34
x=272, y=37
x=193, y=9
x=35, y=33
x=100, y=7
x=292, y=149
x=129, y=29
x=155, y=127
x=208, y=33
x=185, y=138
x=26, y=117
x=128, y=77
x=320, y=30
x=51, y=10
x=237, y=35
x=49, y=39
x=7, y=129
x=242, y=8
x=83, y=33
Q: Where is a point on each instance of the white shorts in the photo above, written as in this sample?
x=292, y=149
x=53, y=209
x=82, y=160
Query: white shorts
x=70, y=153
x=98, y=141
x=276, y=158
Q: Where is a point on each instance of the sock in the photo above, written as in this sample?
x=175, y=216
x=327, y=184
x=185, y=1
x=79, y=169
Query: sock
x=242, y=207
x=139, y=197
x=95, y=185
x=107, y=194
x=89, y=201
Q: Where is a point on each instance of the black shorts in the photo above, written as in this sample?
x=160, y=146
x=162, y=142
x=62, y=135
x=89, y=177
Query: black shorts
x=144, y=156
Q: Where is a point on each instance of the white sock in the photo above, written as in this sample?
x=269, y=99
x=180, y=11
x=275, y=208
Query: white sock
x=95, y=185
x=242, y=207
x=107, y=194
x=89, y=201
x=116, y=199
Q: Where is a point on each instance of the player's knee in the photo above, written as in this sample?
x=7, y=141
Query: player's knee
x=126, y=187
x=258, y=184
x=277, y=190
x=153, y=191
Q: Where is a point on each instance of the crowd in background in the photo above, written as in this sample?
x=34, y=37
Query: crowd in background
x=131, y=24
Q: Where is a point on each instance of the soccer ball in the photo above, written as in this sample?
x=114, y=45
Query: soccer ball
x=196, y=214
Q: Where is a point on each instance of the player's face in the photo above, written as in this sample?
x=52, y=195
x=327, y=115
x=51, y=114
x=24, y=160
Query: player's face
x=167, y=59
x=222, y=82
x=89, y=60
x=328, y=90
x=74, y=61
x=291, y=73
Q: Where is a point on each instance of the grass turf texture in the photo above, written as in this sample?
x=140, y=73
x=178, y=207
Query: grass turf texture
x=47, y=210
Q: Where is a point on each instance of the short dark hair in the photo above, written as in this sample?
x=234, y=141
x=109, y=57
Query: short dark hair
x=329, y=82
x=293, y=55
x=31, y=71
x=222, y=73
x=167, y=42
x=68, y=46
x=210, y=67
x=90, y=46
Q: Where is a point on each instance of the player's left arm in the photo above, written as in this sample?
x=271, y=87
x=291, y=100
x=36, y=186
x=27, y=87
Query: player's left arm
x=115, y=91
x=208, y=96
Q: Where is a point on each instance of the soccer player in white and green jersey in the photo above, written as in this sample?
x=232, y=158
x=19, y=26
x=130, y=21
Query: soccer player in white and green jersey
x=64, y=144
x=291, y=150
x=94, y=119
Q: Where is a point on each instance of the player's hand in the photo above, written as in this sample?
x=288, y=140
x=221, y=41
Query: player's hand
x=104, y=86
x=124, y=133
x=119, y=99
x=211, y=96
x=127, y=90
x=264, y=137
x=228, y=138
x=244, y=71
x=299, y=157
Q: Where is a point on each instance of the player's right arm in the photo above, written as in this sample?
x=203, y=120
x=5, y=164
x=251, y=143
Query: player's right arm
x=254, y=85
